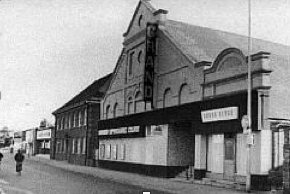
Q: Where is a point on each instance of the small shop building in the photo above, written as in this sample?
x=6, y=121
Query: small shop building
x=75, y=138
x=43, y=138
x=177, y=98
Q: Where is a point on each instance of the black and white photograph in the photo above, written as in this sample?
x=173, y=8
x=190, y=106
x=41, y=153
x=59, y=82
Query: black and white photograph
x=144, y=97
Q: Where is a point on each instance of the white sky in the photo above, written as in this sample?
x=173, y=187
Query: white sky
x=51, y=50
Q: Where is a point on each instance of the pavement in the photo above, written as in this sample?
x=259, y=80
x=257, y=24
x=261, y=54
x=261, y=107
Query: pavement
x=178, y=186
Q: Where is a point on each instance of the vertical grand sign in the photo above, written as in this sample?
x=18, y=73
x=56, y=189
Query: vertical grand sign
x=151, y=33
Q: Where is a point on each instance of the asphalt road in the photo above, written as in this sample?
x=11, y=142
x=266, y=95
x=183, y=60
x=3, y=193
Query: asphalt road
x=38, y=178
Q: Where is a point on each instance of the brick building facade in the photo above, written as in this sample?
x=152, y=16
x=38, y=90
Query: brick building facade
x=75, y=138
x=178, y=95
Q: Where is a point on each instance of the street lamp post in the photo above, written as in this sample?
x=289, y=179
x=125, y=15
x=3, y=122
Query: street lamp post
x=249, y=103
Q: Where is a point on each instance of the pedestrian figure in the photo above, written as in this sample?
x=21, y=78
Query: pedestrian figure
x=19, y=157
x=1, y=156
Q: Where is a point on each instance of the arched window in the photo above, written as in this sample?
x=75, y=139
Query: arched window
x=167, y=98
x=107, y=111
x=184, y=96
x=115, y=110
x=139, y=104
x=130, y=105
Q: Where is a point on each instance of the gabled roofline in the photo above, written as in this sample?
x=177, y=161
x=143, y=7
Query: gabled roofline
x=115, y=70
x=76, y=105
x=89, y=98
x=149, y=7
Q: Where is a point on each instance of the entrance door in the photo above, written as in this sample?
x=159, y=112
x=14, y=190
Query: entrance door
x=229, y=159
x=67, y=149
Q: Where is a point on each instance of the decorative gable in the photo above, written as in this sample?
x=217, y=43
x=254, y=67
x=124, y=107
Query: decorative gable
x=143, y=14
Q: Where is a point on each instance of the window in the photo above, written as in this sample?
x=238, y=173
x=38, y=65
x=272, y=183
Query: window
x=107, y=111
x=73, y=146
x=79, y=145
x=84, y=146
x=140, y=57
x=75, y=119
x=64, y=146
x=115, y=111
x=102, y=151
x=138, y=104
x=114, y=152
x=130, y=105
x=184, y=95
x=58, y=123
x=85, y=117
x=80, y=118
x=67, y=122
x=131, y=60
x=167, y=99
x=278, y=143
x=82, y=114
x=148, y=130
x=108, y=151
x=64, y=122
x=71, y=120
x=121, y=152
x=58, y=146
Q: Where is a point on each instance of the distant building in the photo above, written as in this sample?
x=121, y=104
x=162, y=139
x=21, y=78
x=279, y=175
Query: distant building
x=17, y=140
x=28, y=141
x=43, y=138
x=5, y=138
x=75, y=136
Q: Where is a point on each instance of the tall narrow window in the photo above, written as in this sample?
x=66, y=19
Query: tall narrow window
x=139, y=104
x=80, y=118
x=85, y=117
x=130, y=105
x=84, y=145
x=76, y=119
x=79, y=145
x=184, y=96
x=115, y=111
x=71, y=120
x=107, y=111
x=167, y=99
x=102, y=151
x=73, y=146
x=131, y=59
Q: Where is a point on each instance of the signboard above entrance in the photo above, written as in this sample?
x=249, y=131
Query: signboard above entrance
x=220, y=114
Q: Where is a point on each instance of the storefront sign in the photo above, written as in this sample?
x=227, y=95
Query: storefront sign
x=151, y=33
x=120, y=131
x=220, y=114
x=43, y=134
x=104, y=132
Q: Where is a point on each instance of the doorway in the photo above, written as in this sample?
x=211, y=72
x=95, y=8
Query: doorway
x=67, y=151
x=229, y=156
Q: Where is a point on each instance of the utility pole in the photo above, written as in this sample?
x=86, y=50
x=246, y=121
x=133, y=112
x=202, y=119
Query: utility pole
x=249, y=103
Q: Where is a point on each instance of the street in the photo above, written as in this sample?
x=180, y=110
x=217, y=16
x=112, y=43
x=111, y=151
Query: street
x=38, y=178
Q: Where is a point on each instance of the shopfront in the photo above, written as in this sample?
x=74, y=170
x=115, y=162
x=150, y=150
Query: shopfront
x=43, y=137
